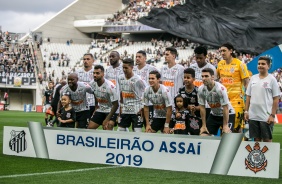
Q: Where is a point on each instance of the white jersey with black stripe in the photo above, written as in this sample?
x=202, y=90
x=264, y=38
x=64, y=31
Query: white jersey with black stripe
x=160, y=100
x=87, y=77
x=112, y=75
x=132, y=92
x=105, y=95
x=78, y=97
x=172, y=78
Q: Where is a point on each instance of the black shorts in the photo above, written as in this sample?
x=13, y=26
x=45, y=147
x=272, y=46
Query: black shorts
x=215, y=122
x=82, y=118
x=261, y=130
x=158, y=124
x=99, y=117
x=91, y=111
x=127, y=119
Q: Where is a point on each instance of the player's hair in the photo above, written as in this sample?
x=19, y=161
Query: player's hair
x=128, y=61
x=229, y=46
x=201, y=50
x=51, y=82
x=142, y=52
x=155, y=72
x=190, y=71
x=185, y=104
x=115, y=52
x=97, y=67
x=67, y=94
x=88, y=54
x=172, y=50
x=267, y=59
x=208, y=70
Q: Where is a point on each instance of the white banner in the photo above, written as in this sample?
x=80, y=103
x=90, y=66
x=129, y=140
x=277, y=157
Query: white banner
x=156, y=151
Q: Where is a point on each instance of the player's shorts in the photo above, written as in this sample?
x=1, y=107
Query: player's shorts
x=82, y=118
x=259, y=129
x=91, y=111
x=158, y=124
x=127, y=119
x=99, y=117
x=215, y=122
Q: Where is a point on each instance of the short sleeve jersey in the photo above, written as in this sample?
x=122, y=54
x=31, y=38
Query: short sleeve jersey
x=262, y=92
x=216, y=98
x=191, y=98
x=231, y=76
x=160, y=100
x=78, y=97
x=68, y=114
x=84, y=76
x=105, y=95
x=172, y=78
x=48, y=96
x=112, y=75
x=198, y=73
x=144, y=72
x=132, y=91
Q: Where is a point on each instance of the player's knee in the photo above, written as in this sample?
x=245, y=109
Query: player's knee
x=92, y=125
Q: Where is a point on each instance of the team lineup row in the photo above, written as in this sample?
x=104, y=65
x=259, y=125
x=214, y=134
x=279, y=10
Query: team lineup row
x=129, y=95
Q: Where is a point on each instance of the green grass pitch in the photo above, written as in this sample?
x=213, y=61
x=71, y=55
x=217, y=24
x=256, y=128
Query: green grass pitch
x=33, y=170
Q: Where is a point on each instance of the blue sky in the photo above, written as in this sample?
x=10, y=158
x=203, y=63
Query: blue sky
x=22, y=16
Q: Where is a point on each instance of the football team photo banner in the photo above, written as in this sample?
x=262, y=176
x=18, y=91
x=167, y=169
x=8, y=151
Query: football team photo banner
x=226, y=156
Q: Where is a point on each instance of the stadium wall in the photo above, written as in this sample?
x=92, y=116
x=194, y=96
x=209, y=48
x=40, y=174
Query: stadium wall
x=61, y=28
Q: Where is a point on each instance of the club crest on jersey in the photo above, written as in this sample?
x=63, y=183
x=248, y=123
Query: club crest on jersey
x=17, y=142
x=265, y=84
x=256, y=160
x=232, y=70
x=192, y=100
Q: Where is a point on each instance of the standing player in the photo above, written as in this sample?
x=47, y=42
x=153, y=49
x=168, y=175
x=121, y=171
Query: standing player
x=131, y=91
x=77, y=91
x=47, y=99
x=201, y=63
x=85, y=74
x=172, y=74
x=233, y=74
x=107, y=100
x=262, y=102
x=160, y=97
x=142, y=69
x=222, y=113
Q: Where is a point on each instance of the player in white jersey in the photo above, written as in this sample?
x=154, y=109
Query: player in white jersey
x=106, y=100
x=85, y=74
x=142, y=69
x=201, y=63
x=115, y=70
x=160, y=97
x=77, y=91
x=222, y=113
x=131, y=91
x=172, y=75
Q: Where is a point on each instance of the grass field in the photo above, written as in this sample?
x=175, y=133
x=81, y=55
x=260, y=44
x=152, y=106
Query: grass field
x=33, y=170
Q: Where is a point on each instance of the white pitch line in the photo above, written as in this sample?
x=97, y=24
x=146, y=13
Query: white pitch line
x=57, y=172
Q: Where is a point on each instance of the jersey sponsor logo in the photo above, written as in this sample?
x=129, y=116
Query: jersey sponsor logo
x=198, y=83
x=256, y=160
x=180, y=125
x=114, y=82
x=168, y=83
x=128, y=95
x=226, y=80
x=17, y=142
x=159, y=107
x=102, y=100
x=214, y=105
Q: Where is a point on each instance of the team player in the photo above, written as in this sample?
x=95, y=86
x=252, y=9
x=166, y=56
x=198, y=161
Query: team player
x=106, y=100
x=233, y=74
x=222, y=113
x=172, y=73
x=77, y=91
x=143, y=69
x=201, y=63
x=67, y=113
x=85, y=74
x=262, y=102
x=159, y=96
x=47, y=99
x=131, y=91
